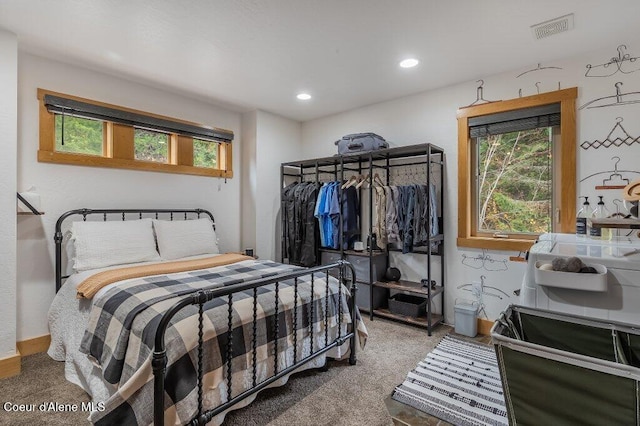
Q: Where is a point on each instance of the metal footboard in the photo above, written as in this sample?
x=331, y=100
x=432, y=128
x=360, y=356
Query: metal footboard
x=346, y=275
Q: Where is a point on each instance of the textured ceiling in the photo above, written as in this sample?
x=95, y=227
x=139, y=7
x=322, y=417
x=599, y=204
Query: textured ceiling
x=249, y=54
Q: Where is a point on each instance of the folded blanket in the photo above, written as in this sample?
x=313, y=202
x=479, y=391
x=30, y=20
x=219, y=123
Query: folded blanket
x=89, y=287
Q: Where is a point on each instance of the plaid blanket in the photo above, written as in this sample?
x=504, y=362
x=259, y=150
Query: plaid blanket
x=120, y=336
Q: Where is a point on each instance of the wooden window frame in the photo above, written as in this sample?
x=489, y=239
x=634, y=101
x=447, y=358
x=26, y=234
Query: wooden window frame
x=467, y=233
x=118, y=147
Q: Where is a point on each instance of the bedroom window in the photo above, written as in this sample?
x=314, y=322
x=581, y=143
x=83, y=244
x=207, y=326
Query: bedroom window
x=205, y=153
x=513, y=182
x=79, y=135
x=150, y=146
x=84, y=132
x=516, y=170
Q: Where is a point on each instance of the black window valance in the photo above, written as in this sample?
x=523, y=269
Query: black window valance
x=73, y=107
x=514, y=121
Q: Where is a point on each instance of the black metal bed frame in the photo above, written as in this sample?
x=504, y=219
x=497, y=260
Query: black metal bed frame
x=200, y=297
x=58, y=237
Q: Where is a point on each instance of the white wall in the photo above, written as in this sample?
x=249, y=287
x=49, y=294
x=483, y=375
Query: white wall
x=8, y=138
x=65, y=187
x=274, y=140
x=278, y=141
x=431, y=117
x=249, y=179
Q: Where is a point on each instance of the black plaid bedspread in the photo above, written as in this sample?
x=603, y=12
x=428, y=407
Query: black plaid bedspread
x=121, y=331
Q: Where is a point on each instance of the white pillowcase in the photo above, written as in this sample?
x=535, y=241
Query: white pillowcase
x=182, y=238
x=101, y=244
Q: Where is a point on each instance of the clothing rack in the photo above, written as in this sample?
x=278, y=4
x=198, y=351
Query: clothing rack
x=420, y=162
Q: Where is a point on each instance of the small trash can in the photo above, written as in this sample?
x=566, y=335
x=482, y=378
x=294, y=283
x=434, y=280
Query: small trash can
x=466, y=314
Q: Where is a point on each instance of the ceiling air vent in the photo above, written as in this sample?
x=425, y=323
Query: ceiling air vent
x=553, y=26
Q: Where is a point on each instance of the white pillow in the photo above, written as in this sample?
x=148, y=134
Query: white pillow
x=182, y=238
x=101, y=244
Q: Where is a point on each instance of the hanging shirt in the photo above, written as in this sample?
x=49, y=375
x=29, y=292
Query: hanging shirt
x=333, y=215
x=319, y=213
x=407, y=236
x=350, y=215
x=380, y=224
x=391, y=222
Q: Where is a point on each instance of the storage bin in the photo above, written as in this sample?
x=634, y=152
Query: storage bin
x=561, y=369
x=360, y=263
x=406, y=304
x=466, y=318
x=363, y=296
x=546, y=276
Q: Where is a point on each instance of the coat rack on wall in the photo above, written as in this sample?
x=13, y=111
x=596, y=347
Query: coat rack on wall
x=623, y=63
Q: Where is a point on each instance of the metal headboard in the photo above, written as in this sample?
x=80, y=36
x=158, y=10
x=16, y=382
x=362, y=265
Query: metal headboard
x=123, y=212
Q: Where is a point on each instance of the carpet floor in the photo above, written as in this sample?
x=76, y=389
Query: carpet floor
x=344, y=395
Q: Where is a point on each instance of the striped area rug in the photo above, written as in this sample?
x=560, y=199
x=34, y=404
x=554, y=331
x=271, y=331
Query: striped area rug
x=459, y=382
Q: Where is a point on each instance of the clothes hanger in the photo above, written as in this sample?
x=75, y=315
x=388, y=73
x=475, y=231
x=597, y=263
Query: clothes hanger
x=355, y=181
x=363, y=181
x=614, y=176
x=608, y=142
x=618, y=99
x=538, y=68
x=348, y=182
x=377, y=179
x=606, y=70
x=482, y=287
x=617, y=202
x=479, y=95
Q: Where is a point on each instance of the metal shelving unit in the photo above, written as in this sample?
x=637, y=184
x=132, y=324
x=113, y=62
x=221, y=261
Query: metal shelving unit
x=429, y=156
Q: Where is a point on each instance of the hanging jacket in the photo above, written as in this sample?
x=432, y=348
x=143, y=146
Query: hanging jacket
x=380, y=224
x=350, y=216
x=301, y=231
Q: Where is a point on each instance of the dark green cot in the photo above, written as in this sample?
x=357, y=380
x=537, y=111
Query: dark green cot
x=561, y=369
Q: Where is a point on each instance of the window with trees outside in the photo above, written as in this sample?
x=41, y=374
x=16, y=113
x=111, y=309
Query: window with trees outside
x=79, y=135
x=84, y=132
x=149, y=145
x=514, y=182
x=516, y=170
x=205, y=154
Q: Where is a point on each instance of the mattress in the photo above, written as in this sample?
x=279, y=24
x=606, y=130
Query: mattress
x=68, y=319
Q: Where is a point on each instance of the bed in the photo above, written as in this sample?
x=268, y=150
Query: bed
x=160, y=328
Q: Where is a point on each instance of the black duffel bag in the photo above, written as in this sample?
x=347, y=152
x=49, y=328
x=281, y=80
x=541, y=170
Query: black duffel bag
x=360, y=142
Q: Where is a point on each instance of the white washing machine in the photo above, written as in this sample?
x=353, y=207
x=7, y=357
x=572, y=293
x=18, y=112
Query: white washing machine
x=620, y=301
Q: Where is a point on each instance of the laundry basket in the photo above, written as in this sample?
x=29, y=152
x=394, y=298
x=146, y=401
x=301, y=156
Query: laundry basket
x=561, y=369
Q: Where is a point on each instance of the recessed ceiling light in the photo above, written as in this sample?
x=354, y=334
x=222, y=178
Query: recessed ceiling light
x=303, y=96
x=409, y=63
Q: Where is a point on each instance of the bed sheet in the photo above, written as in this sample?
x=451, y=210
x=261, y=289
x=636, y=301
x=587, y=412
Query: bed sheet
x=69, y=317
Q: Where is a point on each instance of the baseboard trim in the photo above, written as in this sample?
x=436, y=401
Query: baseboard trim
x=484, y=326
x=34, y=345
x=10, y=366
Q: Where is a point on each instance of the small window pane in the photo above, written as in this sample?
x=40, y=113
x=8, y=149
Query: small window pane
x=81, y=135
x=514, y=185
x=205, y=154
x=151, y=146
